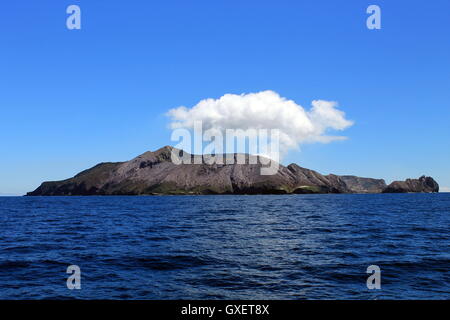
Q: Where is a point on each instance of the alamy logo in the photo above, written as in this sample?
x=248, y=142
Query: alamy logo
x=73, y=22
x=263, y=144
x=74, y=280
x=374, y=281
x=374, y=20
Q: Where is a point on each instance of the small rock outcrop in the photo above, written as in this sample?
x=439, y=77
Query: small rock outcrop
x=423, y=184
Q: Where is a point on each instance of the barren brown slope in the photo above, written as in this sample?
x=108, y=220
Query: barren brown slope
x=154, y=173
x=364, y=185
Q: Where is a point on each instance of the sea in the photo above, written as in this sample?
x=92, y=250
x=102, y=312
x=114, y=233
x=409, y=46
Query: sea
x=289, y=247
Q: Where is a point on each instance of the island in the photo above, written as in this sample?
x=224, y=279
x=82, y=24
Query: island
x=154, y=173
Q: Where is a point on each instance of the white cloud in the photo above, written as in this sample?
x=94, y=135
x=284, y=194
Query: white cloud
x=444, y=189
x=265, y=110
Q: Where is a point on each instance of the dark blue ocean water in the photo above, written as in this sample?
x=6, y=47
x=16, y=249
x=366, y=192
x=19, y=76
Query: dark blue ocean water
x=235, y=247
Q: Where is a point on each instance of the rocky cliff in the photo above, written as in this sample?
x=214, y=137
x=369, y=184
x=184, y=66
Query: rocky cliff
x=423, y=184
x=154, y=173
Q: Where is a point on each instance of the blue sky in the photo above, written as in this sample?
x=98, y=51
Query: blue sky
x=72, y=98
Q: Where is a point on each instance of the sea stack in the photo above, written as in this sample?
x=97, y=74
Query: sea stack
x=423, y=184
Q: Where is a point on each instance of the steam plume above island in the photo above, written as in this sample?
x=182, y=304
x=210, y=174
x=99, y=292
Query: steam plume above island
x=265, y=110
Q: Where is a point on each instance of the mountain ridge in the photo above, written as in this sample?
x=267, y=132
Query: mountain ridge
x=153, y=173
